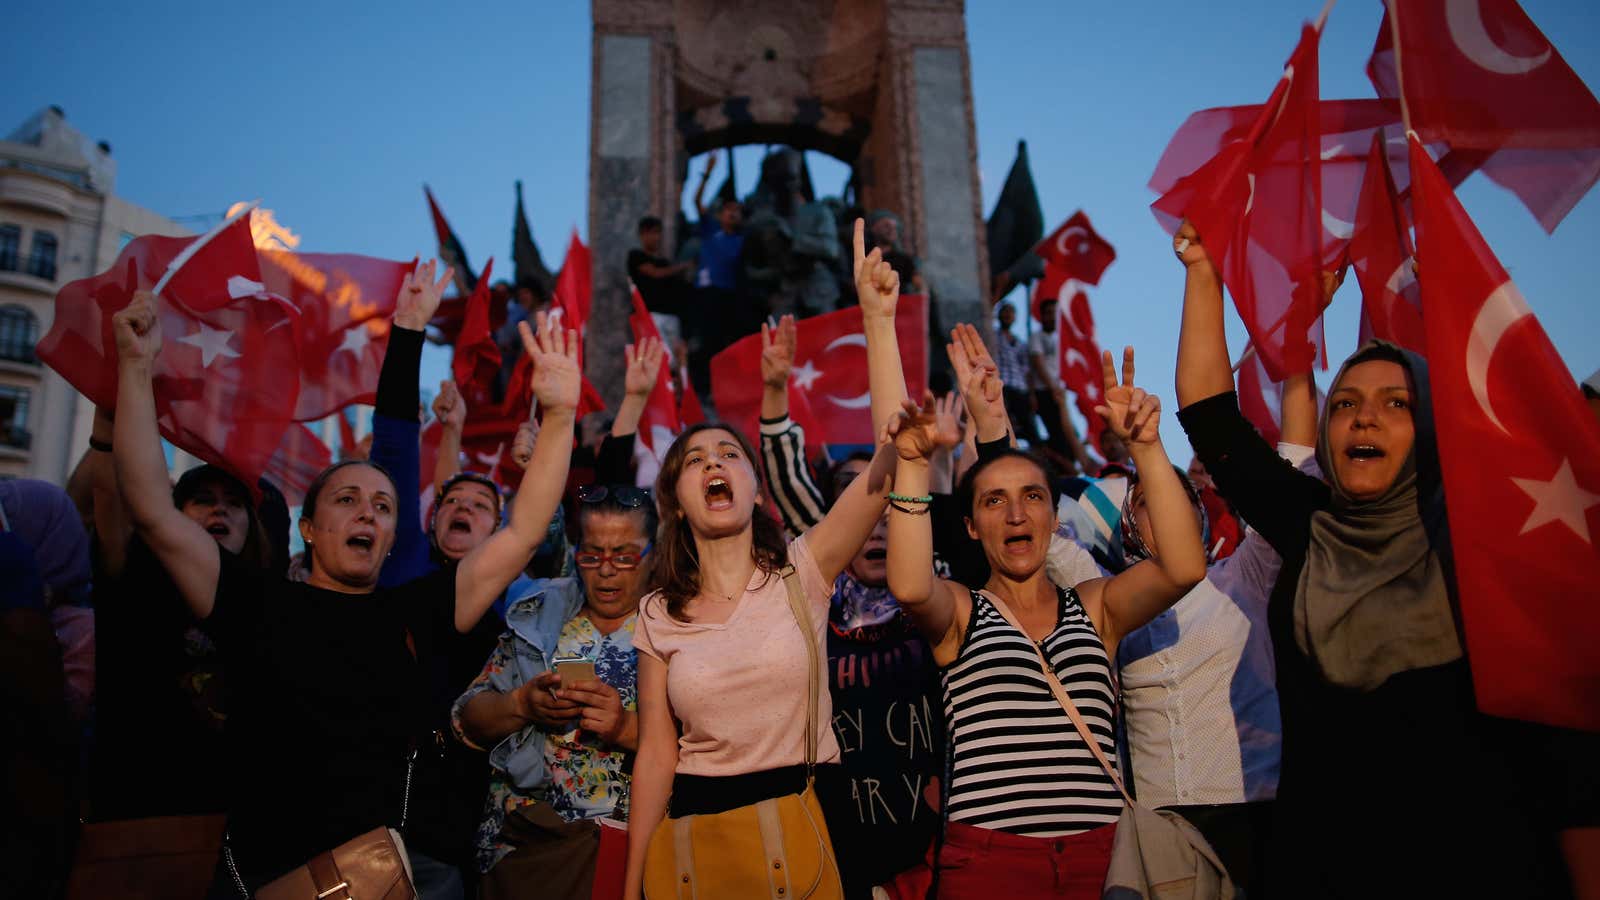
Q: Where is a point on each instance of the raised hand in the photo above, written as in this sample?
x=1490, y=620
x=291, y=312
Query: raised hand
x=914, y=429
x=950, y=420
x=643, y=367
x=1186, y=245
x=556, y=378
x=978, y=379
x=138, y=329
x=711, y=165
x=777, y=353
x=1130, y=413
x=419, y=295
x=877, y=283
x=449, y=407
x=522, y=444
x=1331, y=281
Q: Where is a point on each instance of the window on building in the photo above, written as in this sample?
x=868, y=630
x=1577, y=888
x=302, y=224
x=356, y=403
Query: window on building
x=14, y=417
x=10, y=247
x=42, y=258
x=19, y=331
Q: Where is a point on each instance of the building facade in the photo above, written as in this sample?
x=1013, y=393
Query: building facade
x=60, y=220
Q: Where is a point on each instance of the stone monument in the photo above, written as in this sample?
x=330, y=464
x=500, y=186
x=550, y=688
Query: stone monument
x=882, y=85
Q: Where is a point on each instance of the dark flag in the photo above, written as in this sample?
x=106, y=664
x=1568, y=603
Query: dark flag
x=1016, y=225
x=530, y=267
x=451, y=252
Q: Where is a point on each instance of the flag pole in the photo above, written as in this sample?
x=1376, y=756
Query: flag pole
x=195, y=246
x=1399, y=71
x=1322, y=19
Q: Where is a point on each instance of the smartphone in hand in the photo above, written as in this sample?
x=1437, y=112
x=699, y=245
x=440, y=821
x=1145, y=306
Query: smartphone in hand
x=573, y=669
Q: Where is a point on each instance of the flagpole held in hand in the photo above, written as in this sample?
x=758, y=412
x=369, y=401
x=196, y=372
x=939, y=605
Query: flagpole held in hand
x=195, y=247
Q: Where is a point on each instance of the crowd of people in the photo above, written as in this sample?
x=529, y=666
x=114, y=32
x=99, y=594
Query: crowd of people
x=937, y=667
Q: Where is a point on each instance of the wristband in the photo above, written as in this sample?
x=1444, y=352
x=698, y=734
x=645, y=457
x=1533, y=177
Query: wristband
x=908, y=510
x=928, y=498
x=97, y=444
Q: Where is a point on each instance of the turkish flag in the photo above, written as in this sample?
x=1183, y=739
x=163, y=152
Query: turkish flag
x=1078, y=250
x=300, y=458
x=344, y=302
x=1381, y=254
x=1481, y=78
x=1258, y=207
x=347, y=435
x=1520, y=454
x=1260, y=398
x=1080, y=360
x=575, y=284
x=210, y=397
x=829, y=377
x=1347, y=127
x=476, y=359
x=661, y=421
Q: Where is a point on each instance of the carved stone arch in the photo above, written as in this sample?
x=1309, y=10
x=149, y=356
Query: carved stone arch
x=883, y=85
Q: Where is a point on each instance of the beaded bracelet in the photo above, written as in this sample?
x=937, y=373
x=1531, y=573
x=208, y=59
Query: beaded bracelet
x=927, y=498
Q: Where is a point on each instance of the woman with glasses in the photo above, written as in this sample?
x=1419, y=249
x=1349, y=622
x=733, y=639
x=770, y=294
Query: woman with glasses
x=558, y=746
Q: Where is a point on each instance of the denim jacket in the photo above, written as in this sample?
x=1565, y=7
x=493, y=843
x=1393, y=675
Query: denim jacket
x=525, y=650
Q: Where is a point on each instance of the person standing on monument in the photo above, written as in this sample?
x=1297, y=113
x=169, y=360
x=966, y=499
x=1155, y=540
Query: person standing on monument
x=716, y=281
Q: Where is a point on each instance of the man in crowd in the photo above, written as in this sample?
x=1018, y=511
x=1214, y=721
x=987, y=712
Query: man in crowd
x=661, y=282
x=717, y=280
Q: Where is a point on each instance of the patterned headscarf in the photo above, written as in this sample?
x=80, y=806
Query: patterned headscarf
x=1133, y=546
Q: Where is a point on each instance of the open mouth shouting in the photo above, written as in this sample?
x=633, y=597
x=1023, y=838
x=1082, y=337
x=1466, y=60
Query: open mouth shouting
x=1362, y=453
x=718, y=494
x=459, y=525
x=1019, y=544
x=362, y=542
x=218, y=529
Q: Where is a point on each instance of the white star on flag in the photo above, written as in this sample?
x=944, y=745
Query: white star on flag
x=806, y=375
x=355, y=339
x=213, y=342
x=1558, y=500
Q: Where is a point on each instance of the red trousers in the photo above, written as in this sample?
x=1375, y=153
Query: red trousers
x=984, y=864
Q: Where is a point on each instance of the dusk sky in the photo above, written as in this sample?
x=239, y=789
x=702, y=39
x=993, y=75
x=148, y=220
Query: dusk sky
x=335, y=118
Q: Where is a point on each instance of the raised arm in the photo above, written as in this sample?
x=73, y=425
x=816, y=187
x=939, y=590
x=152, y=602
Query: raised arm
x=112, y=529
x=1204, y=367
x=188, y=554
x=705, y=176
x=931, y=602
x=1299, y=403
x=642, y=366
x=495, y=563
x=395, y=428
x=451, y=410
x=878, y=289
x=1271, y=495
x=835, y=540
x=1130, y=599
x=783, y=441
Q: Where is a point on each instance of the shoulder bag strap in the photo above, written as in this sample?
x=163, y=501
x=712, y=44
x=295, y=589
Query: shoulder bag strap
x=1062, y=696
x=802, y=618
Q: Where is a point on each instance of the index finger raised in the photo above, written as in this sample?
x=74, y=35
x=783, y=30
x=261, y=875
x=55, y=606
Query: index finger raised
x=859, y=242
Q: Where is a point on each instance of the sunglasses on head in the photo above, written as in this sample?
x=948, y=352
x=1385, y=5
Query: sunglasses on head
x=623, y=495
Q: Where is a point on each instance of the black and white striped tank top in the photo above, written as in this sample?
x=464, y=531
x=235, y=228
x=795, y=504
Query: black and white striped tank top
x=1020, y=766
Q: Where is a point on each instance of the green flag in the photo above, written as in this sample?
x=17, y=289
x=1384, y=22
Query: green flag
x=1017, y=224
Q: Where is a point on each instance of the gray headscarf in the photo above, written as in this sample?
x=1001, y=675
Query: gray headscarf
x=1374, y=597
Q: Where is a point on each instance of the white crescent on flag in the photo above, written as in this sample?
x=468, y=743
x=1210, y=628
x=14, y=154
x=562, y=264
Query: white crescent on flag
x=1061, y=242
x=1465, y=21
x=864, y=399
x=1504, y=307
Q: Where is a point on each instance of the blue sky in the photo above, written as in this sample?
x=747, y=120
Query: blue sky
x=335, y=115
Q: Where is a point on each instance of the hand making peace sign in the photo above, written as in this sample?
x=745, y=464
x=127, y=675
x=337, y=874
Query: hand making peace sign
x=1130, y=413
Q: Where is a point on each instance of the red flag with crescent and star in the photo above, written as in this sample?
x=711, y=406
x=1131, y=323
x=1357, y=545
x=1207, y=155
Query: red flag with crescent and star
x=829, y=376
x=476, y=359
x=1080, y=360
x=1077, y=250
x=220, y=331
x=1382, y=256
x=1520, y=454
x=1480, y=77
x=1258, y=207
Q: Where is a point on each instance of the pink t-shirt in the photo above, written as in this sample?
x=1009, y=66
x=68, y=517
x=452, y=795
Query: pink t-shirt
x=738, y=688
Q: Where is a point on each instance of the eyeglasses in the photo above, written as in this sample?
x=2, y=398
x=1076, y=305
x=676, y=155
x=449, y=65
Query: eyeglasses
x=623, y=561
x=623, y=495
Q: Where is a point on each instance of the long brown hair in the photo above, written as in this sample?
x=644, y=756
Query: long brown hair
x=677, y=572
